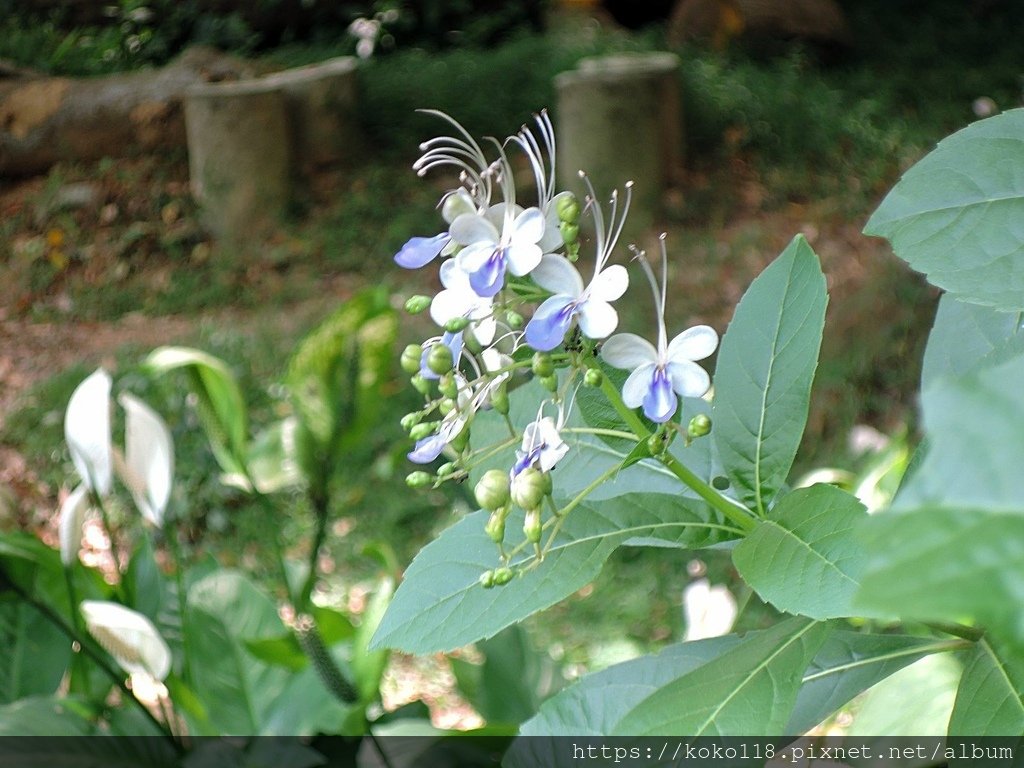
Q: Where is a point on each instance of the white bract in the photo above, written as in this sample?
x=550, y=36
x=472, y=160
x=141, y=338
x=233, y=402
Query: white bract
x=149, y=458
x=87, y=431
x=72, y=520
x=128, y=636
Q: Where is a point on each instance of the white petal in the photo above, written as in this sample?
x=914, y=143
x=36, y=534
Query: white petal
x=688, y=379
x=128, y=636
x=473, y=257
x=452, y=276
x=483, y=330
x=557, y=274
x=470, y=228
x=149, y=457
x=693, y=344
x=634, y=390
x=523, y=258
x=496, y=215
x=610, y=283
x=449, y=304
x=552, y=239
x=628, y=351
x=710, y=611
x=87, y=431
x=72, y=518
x=457, y=203
x=597, y=318
x=528, y=226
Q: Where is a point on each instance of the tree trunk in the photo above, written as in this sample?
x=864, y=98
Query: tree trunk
x=47, y=119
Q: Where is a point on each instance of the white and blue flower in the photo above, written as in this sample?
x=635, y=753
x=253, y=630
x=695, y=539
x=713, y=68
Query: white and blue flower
x=660, y=374
x=504, y=238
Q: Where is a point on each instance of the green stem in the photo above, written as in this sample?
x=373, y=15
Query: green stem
x=972, y=634
x=320, y=507
x=87, y=648
x=732, y=511
x=97, y=502
x=171, y=535
x=77, y=626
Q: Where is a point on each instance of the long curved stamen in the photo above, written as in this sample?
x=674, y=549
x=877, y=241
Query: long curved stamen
x=508, y=189
x=545, y=179
x=659, y=293
x=464, y=153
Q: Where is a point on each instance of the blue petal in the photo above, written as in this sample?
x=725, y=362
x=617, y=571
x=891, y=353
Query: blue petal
x=548, y=326
x=523, y=460
x=454, y=342
x=421, y=250
x=427, y=449
x=660, y=402
x=489, y=279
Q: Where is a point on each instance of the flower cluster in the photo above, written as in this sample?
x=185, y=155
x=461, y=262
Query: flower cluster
x=500, y=263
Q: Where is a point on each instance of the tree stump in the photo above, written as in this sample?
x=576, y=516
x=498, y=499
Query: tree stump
x=47, y=119
x=239, y=155
x=321, y=104
x=619, y=119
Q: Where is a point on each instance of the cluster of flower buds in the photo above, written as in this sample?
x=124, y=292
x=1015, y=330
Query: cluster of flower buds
x=501, y=263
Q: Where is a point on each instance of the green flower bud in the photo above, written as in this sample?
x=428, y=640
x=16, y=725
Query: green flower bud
x=568, y=208
x=570, y=232
x=417, y=304
x=440, y=359
x=594, y=377
x=446, y=406
x=461, y=440
x=528, y=488
x=495, y=527
x=424, y=429
x=419, y=479
x=656, y=444
x=446, y=469
x=532, y=527
x=499, y=399
x=572, y=251
x=410, y=360
x=550, y=383
x=486, y=579
x=514, y=319
x=492, y=490
x=699, y=426
x=446, y=385
x=456, y=324
x=543, y=365
x=420, y=384
x=410, y=420
x=503, y=576
x=548, y=485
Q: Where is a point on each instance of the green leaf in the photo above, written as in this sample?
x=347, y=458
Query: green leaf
x=749, y=690
x=973, y=426
x=335, y=376
x=510, y=684
x=846, y=664
x=283, y=651
x=440, y=604
x=917, y=699
x=235, y=688
x=35, y=654
x=805, y=559
x=43, y=716
x=990, y=699
x=965, y=335
x=945, y=564
x=596, y=704
x=368, y=665
x=956, y=215
x=849, y=663
x=764, y=373
x=220, y=404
